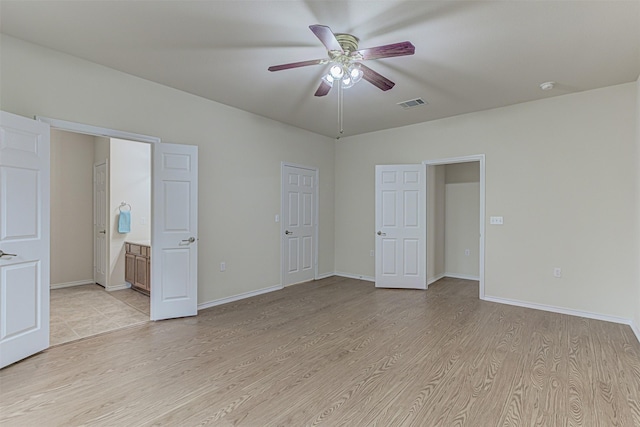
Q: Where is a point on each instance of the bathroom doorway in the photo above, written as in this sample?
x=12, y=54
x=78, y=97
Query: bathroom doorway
x=89, y=294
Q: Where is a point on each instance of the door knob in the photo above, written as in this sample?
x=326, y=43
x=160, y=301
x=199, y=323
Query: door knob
x=288, y=232
x=2, y=253
x=380, y=233
x=102, y=231
x=189, y=240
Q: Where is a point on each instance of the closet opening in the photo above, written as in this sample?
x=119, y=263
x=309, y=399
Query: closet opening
x=455, y=219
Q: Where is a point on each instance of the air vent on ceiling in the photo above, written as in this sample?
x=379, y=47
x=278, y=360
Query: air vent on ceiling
x=412, y=103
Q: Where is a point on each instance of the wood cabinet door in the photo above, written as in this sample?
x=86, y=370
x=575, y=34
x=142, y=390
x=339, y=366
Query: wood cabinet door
x=142, y=278
x=130, y=268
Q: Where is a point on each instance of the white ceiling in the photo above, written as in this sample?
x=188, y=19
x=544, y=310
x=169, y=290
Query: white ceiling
x=470, y=56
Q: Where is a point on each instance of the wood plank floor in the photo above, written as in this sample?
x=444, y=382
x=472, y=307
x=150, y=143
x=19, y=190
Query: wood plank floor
x=339, y=352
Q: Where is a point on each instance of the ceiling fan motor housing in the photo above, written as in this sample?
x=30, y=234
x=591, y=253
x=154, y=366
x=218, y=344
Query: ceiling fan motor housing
x=348, y=42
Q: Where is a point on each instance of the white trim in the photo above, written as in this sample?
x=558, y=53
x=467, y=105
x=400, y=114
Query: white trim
x=465, y=159
x=124, y=285
x=316, y=224
x=560, y=310
x=635, y=329
x=435, y=279
x=462, y=276
x=298, y=283
x=238, y=297
x=325, y=275
x=97, y=131
x=355, y=276
x=72, y=284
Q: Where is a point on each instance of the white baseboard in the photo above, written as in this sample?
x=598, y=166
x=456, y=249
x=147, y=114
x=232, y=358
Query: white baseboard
x=434, y=279
x=325, y=275
x=461, y=276
x=239, y=297
x=71, y=284
x=120, y=287
x=636, y=330
x=355, y=276
x=560, y=310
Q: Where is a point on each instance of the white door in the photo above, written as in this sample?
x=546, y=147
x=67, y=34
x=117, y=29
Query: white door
x=24, y=237
x=100, y=224
x=299, y=224
x=174, y=231
x=401, y=232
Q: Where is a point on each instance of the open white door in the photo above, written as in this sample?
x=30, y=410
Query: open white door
x=24, y=237
x=100, y=209
x=174, y=231
x=401, y=231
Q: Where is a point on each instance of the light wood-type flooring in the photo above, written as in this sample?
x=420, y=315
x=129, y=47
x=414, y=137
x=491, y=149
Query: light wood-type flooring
x=339, y=352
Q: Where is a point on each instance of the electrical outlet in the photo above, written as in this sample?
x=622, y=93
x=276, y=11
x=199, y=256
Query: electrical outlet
x=496, y=220
x=467, y=252
x=557, y=272
x=223, y=266
x=371, y=253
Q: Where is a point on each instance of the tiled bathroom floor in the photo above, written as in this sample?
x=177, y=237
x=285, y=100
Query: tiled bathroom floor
x=86, y=310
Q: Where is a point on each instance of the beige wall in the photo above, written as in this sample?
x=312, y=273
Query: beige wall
x=71, y=208
x=462, y=230
x=435, y=222
x=636, y=317
x=239, y=156
x=462, y=172
x=561, y=171
x=462, y=220
x=130, y=182
x=558, y=170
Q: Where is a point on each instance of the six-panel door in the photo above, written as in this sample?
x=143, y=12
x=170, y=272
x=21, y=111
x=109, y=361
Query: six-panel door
x=400, y=226
x=24, y=237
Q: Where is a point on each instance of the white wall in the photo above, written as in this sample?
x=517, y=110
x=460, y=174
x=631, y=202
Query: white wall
x=239, y=154
x=561, y=171
x=71, y=208
x=462, y=220
x=130, y=182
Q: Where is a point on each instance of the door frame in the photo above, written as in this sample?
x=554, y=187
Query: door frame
x=68, y=126
x=316, y=209
x=467, y=159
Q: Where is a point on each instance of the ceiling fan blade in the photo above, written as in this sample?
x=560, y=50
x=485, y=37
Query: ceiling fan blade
x=326, y=36
x=376, y=79
x=386, y=51
x=297, y=64
x=323, y=89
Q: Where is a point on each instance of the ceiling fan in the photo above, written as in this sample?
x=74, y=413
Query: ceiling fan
x=347, y=68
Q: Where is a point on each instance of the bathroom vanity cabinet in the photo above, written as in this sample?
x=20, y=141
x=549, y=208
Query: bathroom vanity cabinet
x=138, y=266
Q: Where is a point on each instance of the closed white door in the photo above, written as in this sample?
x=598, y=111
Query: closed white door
x=24, y=237
x=401, y=236
x=299, y=224
x=100, y=224
x=174, y=231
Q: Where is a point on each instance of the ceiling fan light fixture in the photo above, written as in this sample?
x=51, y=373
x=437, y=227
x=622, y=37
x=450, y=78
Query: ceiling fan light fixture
x=329, y=79
x=347, y=82
x=355, y=72
x=336, y=72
